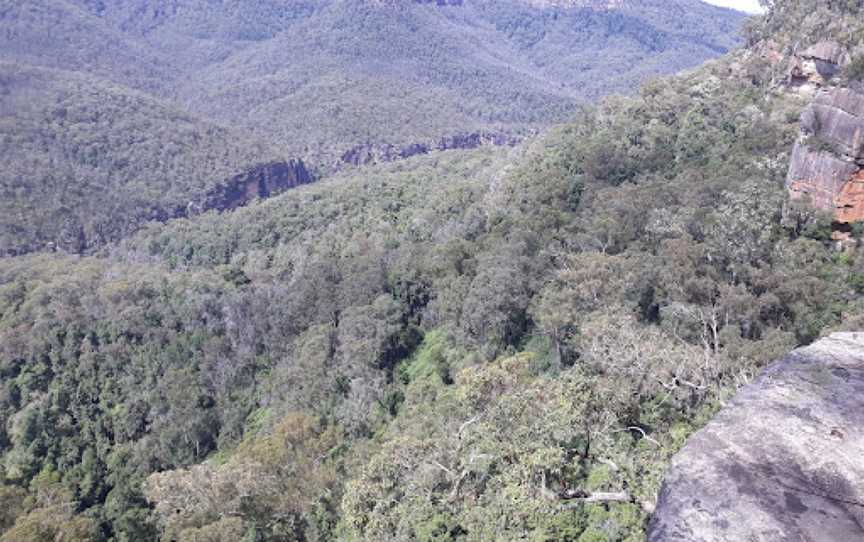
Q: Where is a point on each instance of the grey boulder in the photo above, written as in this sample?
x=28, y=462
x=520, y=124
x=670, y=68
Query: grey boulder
x=783, y=461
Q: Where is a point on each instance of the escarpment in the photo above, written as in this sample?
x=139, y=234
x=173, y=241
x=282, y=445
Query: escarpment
x=75, y=235
x=818, y=64
x=828, y=158
x=850, y=202
x=259, y=182
x=782, y=461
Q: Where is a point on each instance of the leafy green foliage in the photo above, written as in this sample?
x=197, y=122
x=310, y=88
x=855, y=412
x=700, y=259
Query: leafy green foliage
x=855, y=69
x=808, y=21
x=645, y=243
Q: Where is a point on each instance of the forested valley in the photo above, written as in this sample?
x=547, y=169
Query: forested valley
x=447, y=347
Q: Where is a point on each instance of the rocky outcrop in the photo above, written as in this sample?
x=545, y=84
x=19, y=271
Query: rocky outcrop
x=259, y=182
x=782, y=461
x=827, y=160
x=819, y=175
x=374, y=153
x=818, y=64
x=836, y=117
x=850, y=202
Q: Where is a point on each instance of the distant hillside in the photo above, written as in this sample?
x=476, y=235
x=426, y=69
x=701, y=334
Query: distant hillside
x=84, y=162
x=61, y=34
x=353, y=73
x=319, y=78
x=331, y=82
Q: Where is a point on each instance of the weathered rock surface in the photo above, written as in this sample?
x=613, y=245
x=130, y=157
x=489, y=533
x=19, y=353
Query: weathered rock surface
x=818, y=174
x=831, y=174
x=818, y=64
x=850, y=202
x=826, y=51
x=784, y=461
x=258, y=182
x=836, y=117
x=261, y=182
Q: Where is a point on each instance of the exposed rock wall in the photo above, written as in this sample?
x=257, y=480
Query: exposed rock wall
x=817, y=65
x=850, y=202
x=836, y=117
x=261, y=182
x=820, y=175
x=783, y=461
x=828, y=159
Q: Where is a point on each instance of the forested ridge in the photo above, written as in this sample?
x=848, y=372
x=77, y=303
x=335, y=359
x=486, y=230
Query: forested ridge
x=84, y=162
x=341, y=73
x=115, y=113
x=495, y=344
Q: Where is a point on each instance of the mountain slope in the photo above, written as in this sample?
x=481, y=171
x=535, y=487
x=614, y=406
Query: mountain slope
x=171, y=100
x=439, y=70
x=342, y=73
x=60, y=34
x=84, y=162
x=489, y=344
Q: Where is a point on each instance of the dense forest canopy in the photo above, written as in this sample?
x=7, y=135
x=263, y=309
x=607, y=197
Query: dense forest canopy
x=116, y=113
x=451, y=347
x=84, y=162
x=318, y=77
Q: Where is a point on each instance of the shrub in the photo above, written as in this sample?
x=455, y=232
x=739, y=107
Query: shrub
x=855, y=69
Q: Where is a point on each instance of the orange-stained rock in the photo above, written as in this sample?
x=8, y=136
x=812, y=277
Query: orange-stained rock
x=818, y=175
x=849, y=203
x=827, y=162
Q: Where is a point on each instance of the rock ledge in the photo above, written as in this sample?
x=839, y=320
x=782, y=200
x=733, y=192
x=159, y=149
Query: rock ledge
x=783, y=461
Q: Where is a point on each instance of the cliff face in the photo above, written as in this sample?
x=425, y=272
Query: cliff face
x=782, y=461
x=819, y=175
x=836, y=117
x=828, y=158
x=850, y=202
x=818, y=64
x=261, y=181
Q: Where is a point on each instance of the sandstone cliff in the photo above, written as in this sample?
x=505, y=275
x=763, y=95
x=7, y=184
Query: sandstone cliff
x=261, y=182
x=827, y=160
x=818, y=64
x=782, y=461
x=257, y=182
